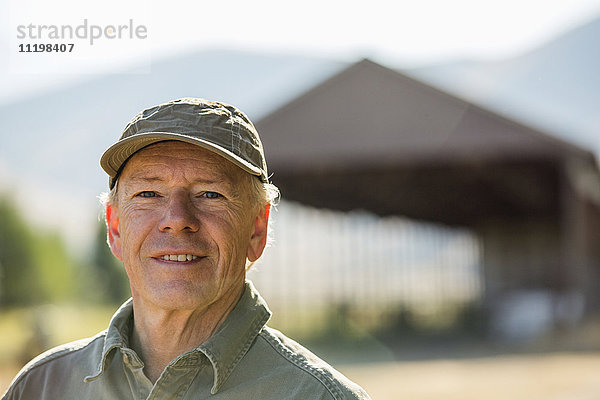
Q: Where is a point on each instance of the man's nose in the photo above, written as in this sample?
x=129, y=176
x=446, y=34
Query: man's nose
x=179, y=214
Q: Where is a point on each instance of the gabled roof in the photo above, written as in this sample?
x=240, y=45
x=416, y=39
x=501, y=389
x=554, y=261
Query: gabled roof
x=373, y=138
x=371, y=114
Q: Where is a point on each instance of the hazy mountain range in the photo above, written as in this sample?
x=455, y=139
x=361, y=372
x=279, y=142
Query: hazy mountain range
x=555, y=88
x=51, y=144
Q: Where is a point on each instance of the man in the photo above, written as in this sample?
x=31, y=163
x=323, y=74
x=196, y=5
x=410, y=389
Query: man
x=188, y=209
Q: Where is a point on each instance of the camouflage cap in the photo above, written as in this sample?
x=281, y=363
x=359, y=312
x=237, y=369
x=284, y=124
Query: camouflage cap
x=213, y=125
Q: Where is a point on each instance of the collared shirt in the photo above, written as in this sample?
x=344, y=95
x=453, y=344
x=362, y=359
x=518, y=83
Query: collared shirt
x=244, y=359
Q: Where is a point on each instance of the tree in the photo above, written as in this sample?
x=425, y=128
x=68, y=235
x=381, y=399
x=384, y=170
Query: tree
x=54, y=267
x=111, y=280
x=19, y=283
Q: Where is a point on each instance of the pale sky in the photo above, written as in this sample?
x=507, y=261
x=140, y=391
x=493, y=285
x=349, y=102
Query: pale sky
x=395, y=33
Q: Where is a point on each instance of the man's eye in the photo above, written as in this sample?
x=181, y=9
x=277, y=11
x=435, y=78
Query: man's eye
x=147, y=193
x=212, y=195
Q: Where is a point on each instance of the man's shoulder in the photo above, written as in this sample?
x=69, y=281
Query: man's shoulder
x=81, y=355
x=293, y=358
x=77, y=349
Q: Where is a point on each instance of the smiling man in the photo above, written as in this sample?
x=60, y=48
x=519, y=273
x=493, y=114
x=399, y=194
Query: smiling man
x=187, y=213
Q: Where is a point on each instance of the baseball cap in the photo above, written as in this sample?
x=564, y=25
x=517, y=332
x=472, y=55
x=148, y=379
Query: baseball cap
x=213, y=125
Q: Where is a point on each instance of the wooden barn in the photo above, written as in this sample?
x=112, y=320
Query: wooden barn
x=374, y=139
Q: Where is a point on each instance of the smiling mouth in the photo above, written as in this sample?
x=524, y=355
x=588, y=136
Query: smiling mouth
x=178, y=257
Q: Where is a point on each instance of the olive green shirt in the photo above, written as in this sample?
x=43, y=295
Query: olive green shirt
x=244, y=359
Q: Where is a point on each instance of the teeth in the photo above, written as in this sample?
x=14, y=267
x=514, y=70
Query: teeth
x=179, y=257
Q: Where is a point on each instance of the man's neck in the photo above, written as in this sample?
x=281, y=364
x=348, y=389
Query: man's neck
x=159, y=335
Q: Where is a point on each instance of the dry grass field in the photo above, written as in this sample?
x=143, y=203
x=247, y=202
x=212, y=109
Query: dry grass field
x=558, y=376
x=6, y=375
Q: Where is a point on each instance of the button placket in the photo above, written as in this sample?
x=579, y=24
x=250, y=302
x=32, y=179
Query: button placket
x=174, y=381
x=138, y=381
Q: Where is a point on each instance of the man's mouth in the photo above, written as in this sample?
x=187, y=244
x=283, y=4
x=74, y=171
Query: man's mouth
x=179, y=257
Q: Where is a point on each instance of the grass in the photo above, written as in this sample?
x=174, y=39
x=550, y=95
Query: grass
x=564, y=376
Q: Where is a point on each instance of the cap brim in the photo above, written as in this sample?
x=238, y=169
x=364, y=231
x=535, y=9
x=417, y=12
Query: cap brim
x=113, y=158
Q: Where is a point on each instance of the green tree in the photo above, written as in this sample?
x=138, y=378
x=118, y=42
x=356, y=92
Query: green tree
x=110, y=277
x=19, y=283
x=55, y=267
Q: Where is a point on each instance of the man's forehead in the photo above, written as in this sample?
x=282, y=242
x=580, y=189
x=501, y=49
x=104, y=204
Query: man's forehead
x=154, y=161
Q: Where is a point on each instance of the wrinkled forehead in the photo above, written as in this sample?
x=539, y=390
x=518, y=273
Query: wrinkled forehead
x=165, y=158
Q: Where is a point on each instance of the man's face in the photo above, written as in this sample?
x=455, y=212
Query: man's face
x=183, y=225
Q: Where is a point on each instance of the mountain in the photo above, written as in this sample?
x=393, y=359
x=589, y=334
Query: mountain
x=555, y=88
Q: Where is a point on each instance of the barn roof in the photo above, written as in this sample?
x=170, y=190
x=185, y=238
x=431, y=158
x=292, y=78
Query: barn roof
x=375, y=139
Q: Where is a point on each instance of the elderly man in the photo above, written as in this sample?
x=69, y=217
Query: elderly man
x=188, y=209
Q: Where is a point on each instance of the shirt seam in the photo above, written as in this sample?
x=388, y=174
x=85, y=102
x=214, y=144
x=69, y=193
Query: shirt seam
x=288, y=354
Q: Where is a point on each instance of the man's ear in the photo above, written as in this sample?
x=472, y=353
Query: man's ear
x=258, y=240
x=112, y=224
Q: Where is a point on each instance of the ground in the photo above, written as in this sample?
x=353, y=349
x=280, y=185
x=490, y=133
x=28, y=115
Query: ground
x=558, y=376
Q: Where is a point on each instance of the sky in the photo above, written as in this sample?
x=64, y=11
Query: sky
x=394, y=33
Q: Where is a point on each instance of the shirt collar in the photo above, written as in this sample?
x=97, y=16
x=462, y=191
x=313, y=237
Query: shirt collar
x=235, y=335
x=224, y=349
x=117, y=336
